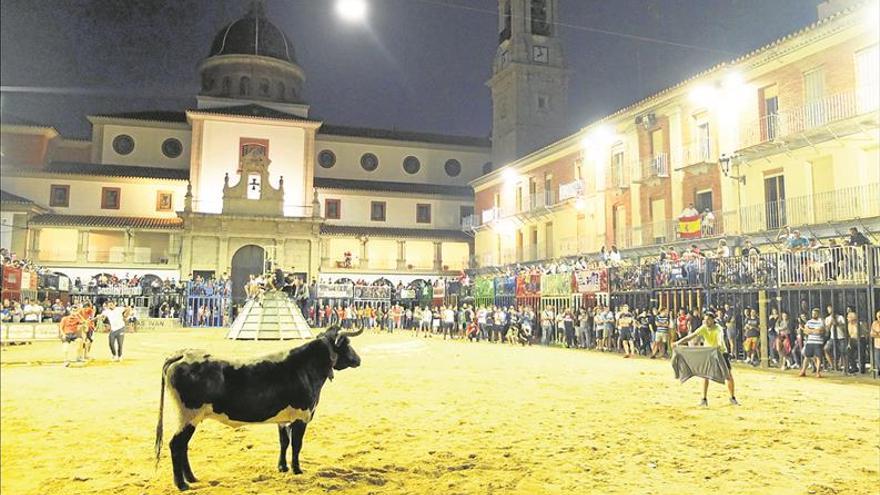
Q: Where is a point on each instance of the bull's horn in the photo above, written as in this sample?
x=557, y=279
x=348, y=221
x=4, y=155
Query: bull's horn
x=348, y=333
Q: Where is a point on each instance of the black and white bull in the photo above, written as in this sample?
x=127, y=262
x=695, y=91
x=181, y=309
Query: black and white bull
x=281, y=388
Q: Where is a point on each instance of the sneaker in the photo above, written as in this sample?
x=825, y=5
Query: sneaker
x=704, y=403
x=733, y=402
x=119, y=359
x=114, y=358
x=67, y=364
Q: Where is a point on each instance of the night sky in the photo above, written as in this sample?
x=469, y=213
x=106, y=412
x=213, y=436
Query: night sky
x=417, y=64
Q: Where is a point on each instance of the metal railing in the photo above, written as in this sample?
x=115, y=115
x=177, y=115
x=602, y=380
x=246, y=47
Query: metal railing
x=811, y=115
x=619, y=176
x=841, y=204
x=691, y=154
x=825, y=265
x=470, y=222
x=655, y=166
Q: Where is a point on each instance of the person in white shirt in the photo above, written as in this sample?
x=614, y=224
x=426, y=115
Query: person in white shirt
x=33, y=312
x=707, y=225
x=448, y=322
x=690, y=211
x=115, y=317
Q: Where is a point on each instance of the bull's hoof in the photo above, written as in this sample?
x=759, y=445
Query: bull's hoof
x=297, y=470
x=191, y=478
x=182, y=486
x=282, y=469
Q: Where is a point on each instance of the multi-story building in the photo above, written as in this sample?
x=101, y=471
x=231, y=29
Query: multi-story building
x=208, y=190
x=786, y=135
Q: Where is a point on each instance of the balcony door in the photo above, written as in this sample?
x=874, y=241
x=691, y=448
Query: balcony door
x=774, y=201
x=814, y=92
x=769, y=113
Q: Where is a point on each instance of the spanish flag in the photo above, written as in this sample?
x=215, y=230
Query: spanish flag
x=689, y=227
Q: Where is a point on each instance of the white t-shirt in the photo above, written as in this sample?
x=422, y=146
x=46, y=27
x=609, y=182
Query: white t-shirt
x=33, y=312
x=115, y=317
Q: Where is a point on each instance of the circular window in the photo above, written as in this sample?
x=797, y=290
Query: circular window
x=326, y=159
x=123, y=144
x=369, y=162
x=411, y=164
x=453, y=167
x=487, y=167
x=172, y=148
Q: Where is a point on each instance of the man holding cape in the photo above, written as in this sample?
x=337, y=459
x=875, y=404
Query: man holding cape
x=713, y=337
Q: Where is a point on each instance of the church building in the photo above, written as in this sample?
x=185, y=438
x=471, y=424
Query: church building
x=209, y=189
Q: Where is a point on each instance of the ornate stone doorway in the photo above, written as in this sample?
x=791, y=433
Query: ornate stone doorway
x=248, y=260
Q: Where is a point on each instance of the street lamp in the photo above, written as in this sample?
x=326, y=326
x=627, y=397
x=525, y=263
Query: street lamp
x=725, y=161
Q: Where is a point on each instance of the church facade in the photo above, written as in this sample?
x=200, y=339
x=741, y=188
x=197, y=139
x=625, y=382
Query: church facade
x=210, y=189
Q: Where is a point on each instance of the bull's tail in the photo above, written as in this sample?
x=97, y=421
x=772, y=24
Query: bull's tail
x=177, y=356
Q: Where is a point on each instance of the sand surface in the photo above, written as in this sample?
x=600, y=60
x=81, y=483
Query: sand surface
x=428, y=416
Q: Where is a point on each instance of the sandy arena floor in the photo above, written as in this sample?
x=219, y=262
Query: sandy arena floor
x=427, y=416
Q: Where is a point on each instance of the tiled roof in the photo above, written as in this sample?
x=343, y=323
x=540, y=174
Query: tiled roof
x=253, y=110
x=394, y=233
x=149, y=115
x=386, y=186
x=12, y=119
x=7, y=197
x=107, y=221
x=109, y=170
x=425, y=137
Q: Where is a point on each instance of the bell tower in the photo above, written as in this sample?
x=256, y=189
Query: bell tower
x=529, y=81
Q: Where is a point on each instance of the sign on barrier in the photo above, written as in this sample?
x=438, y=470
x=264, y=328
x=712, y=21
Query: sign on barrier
x=335, y=291
x=558, y=284
x=28, y=332
x=591, y=281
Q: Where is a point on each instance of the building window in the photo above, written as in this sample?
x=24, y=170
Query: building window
x=164, y=201
x=411, y=165
x=487, y=168
x=172, y=148
x=542, y=103
x=540, y=20
x=254, y=186
x=369, y=162
x=264, y=87
x=253, y=147
x=332, y=209
x=110, y=198
x=867, y=78
x=452, y=167
x=227, y=86
x=326, y=159
x=377, y=211
x=281, y=91
x=244, y=87
x=59, y=196
x=703, y=201
x=423, y=213
x=123, y=144
x=465, y=211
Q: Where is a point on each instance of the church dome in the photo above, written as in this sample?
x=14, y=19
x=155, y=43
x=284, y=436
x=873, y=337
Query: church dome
x=253, y=34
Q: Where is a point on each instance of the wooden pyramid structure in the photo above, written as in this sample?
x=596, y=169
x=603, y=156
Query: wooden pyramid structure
x=275, y=318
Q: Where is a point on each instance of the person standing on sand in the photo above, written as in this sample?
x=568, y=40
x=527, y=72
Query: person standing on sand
x=115, y=316
x=713, y=336
x=814, y=330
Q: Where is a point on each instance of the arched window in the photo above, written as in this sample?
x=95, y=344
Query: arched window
x=264, y=87
x=227, y=86
x=281, y=91
x=244, y=87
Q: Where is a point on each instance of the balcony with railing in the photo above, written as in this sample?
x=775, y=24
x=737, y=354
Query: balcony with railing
x=654, y=167
x=815, y=121
x=695, y=154
x=821, y=208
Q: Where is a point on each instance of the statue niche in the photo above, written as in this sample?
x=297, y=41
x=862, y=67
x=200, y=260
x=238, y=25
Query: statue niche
x=253, y=194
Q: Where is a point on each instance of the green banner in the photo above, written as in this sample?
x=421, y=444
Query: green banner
x=556, y=285
x=484, y=287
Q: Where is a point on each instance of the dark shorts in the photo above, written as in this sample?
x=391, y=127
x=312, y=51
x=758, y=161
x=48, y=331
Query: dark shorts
x=70, y=337
x=626, y=333
x=813, y=350
x=841, y=346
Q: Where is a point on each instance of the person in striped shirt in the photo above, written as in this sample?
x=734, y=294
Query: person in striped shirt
x=661, y=334
x=814, y=329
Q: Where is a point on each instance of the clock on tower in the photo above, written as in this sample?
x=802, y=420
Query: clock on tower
x=529, y=67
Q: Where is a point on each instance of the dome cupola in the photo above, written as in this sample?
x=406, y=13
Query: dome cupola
x=252, y=59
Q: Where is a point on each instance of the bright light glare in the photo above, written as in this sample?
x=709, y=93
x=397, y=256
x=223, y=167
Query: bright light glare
x=580, y=204
x=733, y=81
x=504, y=227
x=703, y=95
x=509, y=175
x=601, y=135
x=351, y=10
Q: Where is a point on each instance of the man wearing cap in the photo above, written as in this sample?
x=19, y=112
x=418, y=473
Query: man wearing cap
x=713, y=336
